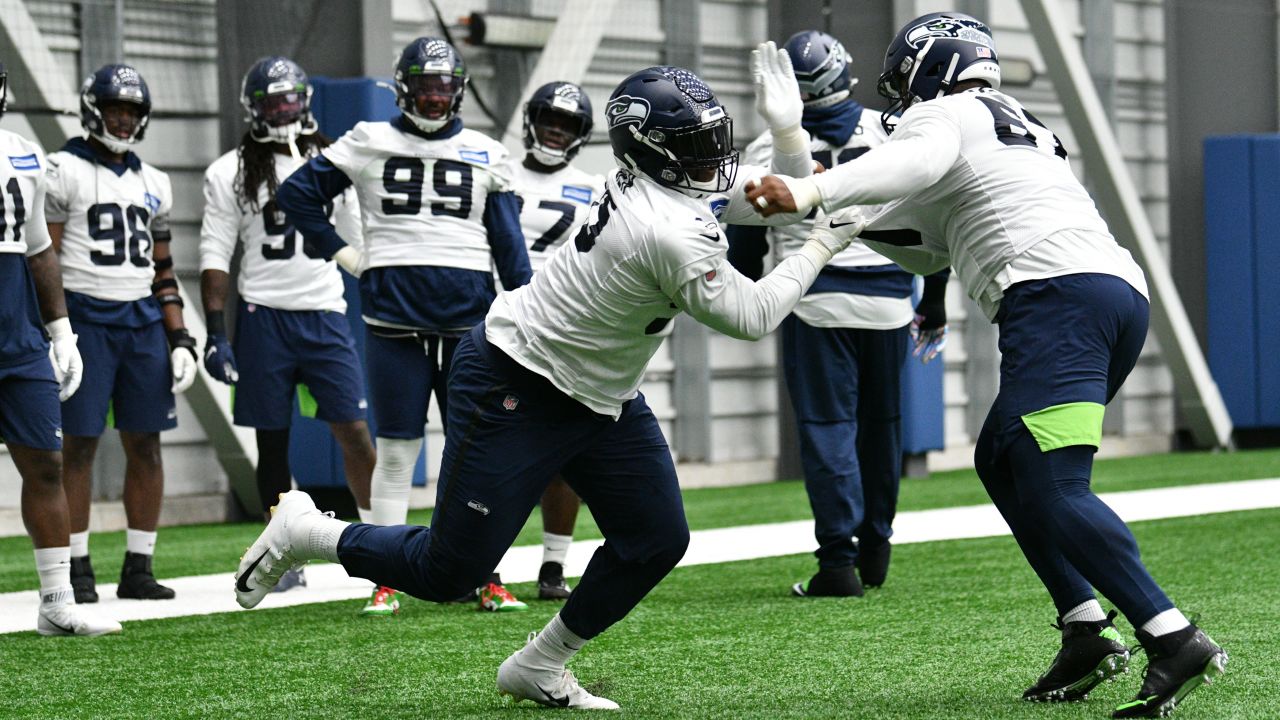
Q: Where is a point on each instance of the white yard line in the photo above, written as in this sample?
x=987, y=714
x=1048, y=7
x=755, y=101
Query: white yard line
x=206, y=594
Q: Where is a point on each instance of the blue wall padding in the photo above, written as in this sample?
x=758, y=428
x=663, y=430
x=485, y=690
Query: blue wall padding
x=1242, y=254
x=922, y=403
x=314, y=456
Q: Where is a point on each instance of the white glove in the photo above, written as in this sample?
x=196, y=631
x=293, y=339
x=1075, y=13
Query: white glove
x=778, y=98
x=68, y=368
x=833, y=233
x=349, y=259
x=184, y=364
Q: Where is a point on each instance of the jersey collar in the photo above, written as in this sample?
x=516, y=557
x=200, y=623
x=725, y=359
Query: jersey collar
x=453, y=127
x=81, y=148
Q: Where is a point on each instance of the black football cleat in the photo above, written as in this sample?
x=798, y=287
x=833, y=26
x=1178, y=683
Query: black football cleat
x=1177, y=663
x=83, y=583
x=1092, y=651
x=138, y=583
x=873, y=563
x=551, y=584
x=830, y=582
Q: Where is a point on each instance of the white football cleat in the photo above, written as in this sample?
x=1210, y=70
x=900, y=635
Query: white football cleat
x=71, y=619
x=553, y=688
x=271, y=555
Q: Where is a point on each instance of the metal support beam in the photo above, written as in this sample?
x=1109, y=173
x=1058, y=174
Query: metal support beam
x=568, y=53
x=1197, y=394
x=35, y=80
x=511, y=67
x=1099, y=18
x=101, y=35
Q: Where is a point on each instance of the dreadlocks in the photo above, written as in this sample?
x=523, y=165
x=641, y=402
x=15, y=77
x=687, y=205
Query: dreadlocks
x=258, y=166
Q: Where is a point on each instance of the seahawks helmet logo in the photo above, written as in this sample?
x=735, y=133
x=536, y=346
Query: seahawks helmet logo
x=626, y=110
x=966, y=30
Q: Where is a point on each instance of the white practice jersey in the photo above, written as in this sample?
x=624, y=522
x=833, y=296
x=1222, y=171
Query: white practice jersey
x=837, y=309
x=108, y=224
x=552, y=206
x=423, y=200
x=276, y=270
x=986, y=184
x=592, y=319
x=22, y=195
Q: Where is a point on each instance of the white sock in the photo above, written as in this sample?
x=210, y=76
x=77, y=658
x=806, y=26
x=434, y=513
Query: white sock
x=315, y=536
x=392, y=476
x=552, y=647
x=140, y=542
x=80, y=544
x=54, y=567
x=555, y=548
x=1171, y=620
x=1087, y=611
x=366, y=514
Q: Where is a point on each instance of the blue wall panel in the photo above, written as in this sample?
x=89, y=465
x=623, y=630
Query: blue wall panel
x=1266, y=276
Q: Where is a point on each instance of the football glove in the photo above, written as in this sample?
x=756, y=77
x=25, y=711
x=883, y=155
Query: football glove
x=778, y=97
x=219, y=360
x=183, y=359
x=929, y=328
x=349, y=259
x=68, y=368
x=834, y=232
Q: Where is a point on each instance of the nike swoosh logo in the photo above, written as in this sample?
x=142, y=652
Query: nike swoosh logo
x=712, y=238
x=243, y=586
x=553, y=700
x=836, y=225
x=71, y=631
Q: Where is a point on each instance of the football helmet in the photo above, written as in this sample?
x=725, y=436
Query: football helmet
x=276, y=95
x=932, y=54
x=115, y=83
x=557, y=122
x=667, y=125
x=431, y=79
x=821, y=65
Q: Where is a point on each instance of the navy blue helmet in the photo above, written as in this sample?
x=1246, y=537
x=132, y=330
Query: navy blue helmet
x=822, y=67
x=932, y=54
x=431, y=79
x=557, y=122
x=115, y=83
x=4, y=89
x=276, y=95
x=666, y=124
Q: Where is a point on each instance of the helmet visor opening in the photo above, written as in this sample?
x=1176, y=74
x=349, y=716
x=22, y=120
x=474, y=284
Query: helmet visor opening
x=556, y=129
x=281, y=108
x=433, y=95
x=705, y=155
x=121, y=118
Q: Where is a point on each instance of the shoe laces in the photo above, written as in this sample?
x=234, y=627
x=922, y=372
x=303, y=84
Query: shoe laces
x=500, y=592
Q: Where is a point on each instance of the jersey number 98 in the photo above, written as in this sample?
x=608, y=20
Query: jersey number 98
x=107, y=223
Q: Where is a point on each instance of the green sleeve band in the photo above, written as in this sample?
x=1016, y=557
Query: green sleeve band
x=1078, y=423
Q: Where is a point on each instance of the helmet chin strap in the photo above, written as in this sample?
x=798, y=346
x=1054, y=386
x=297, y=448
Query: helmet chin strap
x=114, y=144
x=425, y=124
x=547, y=157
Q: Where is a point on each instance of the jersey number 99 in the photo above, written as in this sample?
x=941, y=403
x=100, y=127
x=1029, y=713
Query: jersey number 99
x=404, y=176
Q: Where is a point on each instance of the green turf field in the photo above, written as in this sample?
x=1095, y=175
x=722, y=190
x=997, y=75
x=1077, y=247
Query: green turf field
x=959, y=630
x=204, y=549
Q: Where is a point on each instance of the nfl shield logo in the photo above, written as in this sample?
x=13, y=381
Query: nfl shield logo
x=510, y=402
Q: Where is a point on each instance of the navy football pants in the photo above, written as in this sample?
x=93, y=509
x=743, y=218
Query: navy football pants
x=1066, y=340
x=509, y=432
x=845, y=387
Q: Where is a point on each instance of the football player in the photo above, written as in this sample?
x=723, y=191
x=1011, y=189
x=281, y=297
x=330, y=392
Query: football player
x=291, y=326
x=971, y=178
x=39, y=365
x=438, y=213
x=554, y=199
x=108, y=213
x=549, y=382
x=843, y=347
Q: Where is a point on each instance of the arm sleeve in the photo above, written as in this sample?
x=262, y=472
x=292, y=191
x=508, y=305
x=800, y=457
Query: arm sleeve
x=220, y=227
x=303, y=197
x=37, y=226
x=919, y=153
x=728, y=302
x=506, y=240
x=160, y=223
x=748, y=244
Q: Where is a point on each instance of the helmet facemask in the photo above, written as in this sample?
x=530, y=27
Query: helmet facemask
x=554, y=136
x=701, y=159
x=281, y=115
x=121, y=123
x=431, y=100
